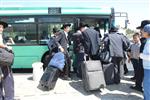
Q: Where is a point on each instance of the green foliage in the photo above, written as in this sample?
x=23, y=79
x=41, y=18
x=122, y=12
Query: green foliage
x=129, y=33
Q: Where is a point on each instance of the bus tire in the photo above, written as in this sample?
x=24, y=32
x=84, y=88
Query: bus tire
x=45, y=60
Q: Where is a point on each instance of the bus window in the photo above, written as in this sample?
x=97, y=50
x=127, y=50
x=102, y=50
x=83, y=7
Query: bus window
x=21, y=30
x=46, y=31
x=22, y=33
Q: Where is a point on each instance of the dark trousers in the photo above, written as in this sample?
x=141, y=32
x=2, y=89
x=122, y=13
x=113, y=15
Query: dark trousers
x=135, y=63
x=140, y=74
x=67, y=66
x=80, y=59
x=118, y=73
x=7, y=85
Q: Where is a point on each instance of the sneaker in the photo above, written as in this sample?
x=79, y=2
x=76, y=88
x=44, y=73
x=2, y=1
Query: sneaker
x=136, y=88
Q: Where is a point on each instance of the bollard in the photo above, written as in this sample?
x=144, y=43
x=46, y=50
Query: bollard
x=37, y=71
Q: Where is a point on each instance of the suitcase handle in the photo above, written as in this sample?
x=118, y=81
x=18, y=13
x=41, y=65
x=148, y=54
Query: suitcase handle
x=87, y=57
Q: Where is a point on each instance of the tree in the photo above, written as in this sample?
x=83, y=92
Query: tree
x=129, y=33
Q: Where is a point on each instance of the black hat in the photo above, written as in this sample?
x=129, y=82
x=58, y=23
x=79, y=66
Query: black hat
x=55, y=29
x=65, y=25
x=81, y=25
x=143, y=23
x=4, y=24
x=113, y=29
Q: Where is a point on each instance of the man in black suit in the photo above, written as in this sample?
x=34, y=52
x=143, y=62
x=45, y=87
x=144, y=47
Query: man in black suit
x=91, y=42
x=63, y=44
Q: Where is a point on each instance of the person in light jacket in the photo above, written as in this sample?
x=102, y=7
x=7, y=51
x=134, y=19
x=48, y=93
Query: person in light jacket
x=146, y=62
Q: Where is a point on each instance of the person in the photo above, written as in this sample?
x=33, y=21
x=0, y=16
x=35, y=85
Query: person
x=55, y=31
x=44, y=35
x=78, y=49
x=7, y=83
x=146, y=62
x=140, y=70
x=91, y=42
x=99, y=31
x=116, y=44
x=63, y=44
x=133, y=54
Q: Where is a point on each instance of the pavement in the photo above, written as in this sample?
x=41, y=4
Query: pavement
x=26, y=89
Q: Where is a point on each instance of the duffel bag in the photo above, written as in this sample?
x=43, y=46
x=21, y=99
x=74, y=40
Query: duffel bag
x=6, y=57
x=58, y=61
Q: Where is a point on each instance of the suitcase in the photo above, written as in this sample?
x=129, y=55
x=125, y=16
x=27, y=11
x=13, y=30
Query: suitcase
x=92, y=75
x=49, y=78
x=109, y=73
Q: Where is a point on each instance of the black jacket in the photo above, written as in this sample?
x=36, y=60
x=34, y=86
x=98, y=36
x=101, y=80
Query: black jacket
x=91, y=41
x=78, y=42
x=62, y=40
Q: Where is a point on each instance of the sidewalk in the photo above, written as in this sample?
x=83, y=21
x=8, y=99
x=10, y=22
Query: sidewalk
x=26, y=89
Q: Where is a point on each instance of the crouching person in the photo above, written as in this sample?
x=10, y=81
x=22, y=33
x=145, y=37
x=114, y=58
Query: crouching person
x=7, y=81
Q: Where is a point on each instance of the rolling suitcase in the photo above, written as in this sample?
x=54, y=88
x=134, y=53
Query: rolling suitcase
x=49, y=78
x=92, y=75
x=109, y=73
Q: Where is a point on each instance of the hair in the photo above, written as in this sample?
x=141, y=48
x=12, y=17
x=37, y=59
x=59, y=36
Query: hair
x=136, y=34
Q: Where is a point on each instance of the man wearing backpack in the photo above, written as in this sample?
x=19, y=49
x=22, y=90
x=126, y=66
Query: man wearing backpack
x=116, y=44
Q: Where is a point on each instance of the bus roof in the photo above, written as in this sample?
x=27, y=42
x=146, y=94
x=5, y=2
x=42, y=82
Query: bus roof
x=10, y=11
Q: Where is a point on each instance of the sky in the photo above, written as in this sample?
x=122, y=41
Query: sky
x=137, y=10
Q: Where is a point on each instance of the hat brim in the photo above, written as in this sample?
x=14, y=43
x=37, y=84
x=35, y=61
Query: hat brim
x=139, y=27
x=65, y=25
x=4, y=24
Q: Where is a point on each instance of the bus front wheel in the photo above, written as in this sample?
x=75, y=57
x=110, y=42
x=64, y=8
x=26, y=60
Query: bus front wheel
x=45, y=60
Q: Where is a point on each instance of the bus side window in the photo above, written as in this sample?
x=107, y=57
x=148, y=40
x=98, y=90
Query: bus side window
x=20, y=39
x=9, y=40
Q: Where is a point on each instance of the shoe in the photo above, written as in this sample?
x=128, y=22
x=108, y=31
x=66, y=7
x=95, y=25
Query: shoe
x=126, y=72
x=136, y=88
x=67, y=78
x=132, y=78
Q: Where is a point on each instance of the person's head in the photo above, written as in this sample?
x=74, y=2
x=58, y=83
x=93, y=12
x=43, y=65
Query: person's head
x=66, y=27
x=136, y=38
x=143, y=23
x=2, y=26
x=146, y=31
x=81, y=27
x=55, y=30
x=113, y=29
x=97, y=29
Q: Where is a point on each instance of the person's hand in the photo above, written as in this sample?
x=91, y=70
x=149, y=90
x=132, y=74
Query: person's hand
x=61, y=49
x=129, y=60
x=9, y=47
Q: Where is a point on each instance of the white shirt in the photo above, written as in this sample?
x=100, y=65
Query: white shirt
x=1, y=39
x=66, y=38
x=66, y=34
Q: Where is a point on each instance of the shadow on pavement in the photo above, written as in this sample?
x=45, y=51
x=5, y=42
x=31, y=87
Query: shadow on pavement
x=120, y=91
x=78, y=85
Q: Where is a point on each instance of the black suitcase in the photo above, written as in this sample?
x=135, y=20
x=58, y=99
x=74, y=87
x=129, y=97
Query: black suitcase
x=49, y=78
x=109, y=73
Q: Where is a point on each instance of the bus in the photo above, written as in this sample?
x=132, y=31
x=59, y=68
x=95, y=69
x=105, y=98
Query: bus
x=29, y=25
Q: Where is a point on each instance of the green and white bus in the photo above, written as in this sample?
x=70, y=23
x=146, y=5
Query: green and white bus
x=27, y=25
